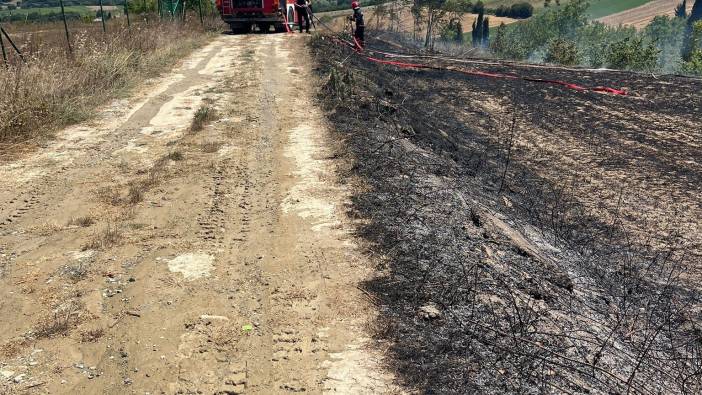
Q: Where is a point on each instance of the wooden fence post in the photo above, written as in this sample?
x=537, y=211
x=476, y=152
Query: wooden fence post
x=4, y=54
x=65, y=28
x=199, y=9
x=7, y=36
x=126, y=12
x=102, y=18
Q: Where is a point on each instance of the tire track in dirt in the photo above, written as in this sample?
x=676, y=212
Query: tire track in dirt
x=41, y=173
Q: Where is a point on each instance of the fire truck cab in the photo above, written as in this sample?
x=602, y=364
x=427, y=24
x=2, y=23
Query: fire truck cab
x=243, y=15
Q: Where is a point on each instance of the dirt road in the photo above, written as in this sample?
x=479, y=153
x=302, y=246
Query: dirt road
x=139, y=256
x=641, y=16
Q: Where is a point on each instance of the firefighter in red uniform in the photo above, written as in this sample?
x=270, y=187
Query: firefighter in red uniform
x=357, y=18
x=301, y=9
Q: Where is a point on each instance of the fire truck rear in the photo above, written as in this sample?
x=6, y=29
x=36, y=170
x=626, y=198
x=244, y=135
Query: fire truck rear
x=243, y=15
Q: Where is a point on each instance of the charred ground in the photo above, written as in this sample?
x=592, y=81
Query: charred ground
x=530, y=238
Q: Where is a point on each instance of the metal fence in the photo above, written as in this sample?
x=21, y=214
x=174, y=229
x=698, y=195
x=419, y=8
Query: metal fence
x=164, y=10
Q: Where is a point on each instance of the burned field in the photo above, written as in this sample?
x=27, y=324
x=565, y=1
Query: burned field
x=530, y=238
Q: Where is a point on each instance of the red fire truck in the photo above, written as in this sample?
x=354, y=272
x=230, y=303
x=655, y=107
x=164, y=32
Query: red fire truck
x=242, y=15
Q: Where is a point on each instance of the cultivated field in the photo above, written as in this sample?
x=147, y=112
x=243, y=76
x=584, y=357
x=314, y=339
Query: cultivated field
x=641, y=16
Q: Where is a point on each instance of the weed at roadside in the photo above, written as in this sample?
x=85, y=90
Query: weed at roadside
x=34, y=102
x=57, y=324
x=175, y=156
x=202, y=116
x=135, y=194
x=211, y=147
x=76, y=272
x=108, y=237
x=84, y=221
x=92, y=335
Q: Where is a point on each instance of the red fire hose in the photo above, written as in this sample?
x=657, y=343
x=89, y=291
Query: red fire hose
x=285, y=18
x=359, y=50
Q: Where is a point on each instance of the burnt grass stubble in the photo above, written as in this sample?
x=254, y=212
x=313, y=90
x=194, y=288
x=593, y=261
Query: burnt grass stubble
x=596, y=312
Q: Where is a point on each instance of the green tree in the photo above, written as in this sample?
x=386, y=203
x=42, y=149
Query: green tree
x=521, y=10
x=562, y=51
x=435, y=14
x=681, y=10
x=695, y=15
x=453, y=31
x=486, y=33
x=478, y=7
x=693, y=64
x=668, y=35
x=499, y=44
x=143, y=6
x=477, y=33
x=632, y=54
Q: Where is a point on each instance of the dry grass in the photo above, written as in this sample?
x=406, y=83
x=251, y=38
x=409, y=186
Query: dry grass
x=109, y=195
x=138, y=188
x=136, y=193
x=202, y=116
x=108, y=237
x=59, y=323
x=13, y=347
x=175, y=156
x=84, y=221
x=47, y=229
x=91, y=335
x=211, y=147
x=53, y=90
x=76, y=272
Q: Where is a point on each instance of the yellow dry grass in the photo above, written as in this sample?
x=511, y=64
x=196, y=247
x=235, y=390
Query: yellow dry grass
x=54, y=89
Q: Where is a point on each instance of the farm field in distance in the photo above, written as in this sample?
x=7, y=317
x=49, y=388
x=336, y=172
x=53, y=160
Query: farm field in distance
x=640, y=16
x=600, y=8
